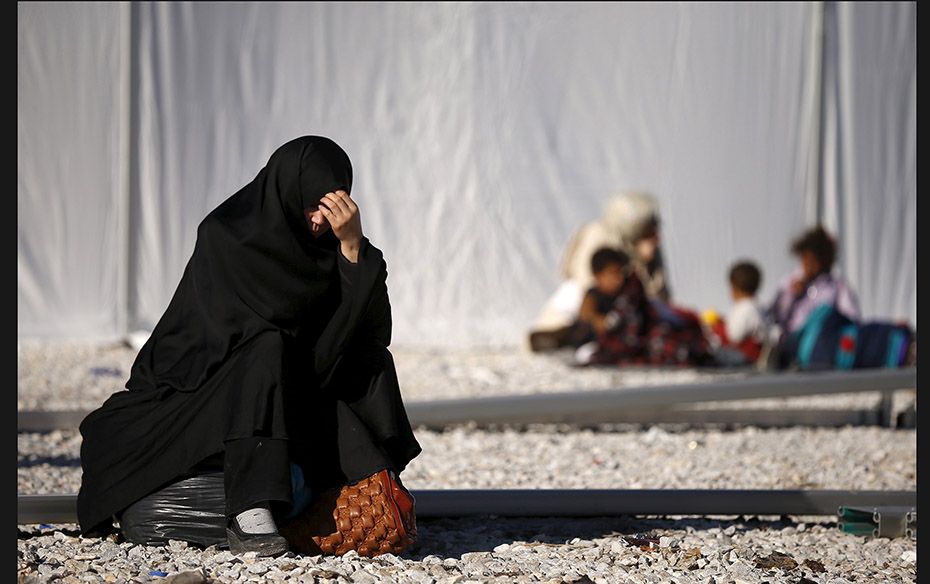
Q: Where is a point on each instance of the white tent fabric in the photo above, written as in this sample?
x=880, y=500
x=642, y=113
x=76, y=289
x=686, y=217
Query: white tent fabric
x=482, y=135
x=70, y=183
x=870, y=195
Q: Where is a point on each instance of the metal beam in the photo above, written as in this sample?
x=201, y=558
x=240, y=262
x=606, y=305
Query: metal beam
x=644, y=404
x=762, y=418
x=581, y=405
x=46, y=421
x=596, y=503
x=576, y=503
x=46, y=509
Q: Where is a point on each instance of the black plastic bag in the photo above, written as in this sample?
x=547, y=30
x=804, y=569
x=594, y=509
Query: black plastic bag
x=191, y=509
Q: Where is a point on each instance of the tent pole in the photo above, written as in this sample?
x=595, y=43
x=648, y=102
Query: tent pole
x=123, y=181
x=129, y=168
x=816, y=176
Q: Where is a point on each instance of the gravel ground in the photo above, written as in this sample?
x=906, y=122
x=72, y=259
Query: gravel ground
x=600, y=550
x=562, y=457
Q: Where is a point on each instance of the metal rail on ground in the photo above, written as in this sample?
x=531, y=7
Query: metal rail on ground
x=38, y=421
x=604, y=405
x=53, y=509
x=640, y=404
x=48, y=420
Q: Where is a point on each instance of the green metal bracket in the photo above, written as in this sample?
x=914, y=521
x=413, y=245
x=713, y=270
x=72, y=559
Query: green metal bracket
x=890, y=522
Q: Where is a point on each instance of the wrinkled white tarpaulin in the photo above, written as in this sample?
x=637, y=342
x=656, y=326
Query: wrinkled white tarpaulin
x=482, y=136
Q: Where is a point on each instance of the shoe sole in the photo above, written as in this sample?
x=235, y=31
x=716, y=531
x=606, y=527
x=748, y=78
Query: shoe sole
x=543, y=342
x=264, y=545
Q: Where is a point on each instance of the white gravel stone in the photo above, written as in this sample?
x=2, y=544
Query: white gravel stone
x=508, y=550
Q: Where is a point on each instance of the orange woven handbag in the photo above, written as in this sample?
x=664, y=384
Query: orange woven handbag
x=373, y=516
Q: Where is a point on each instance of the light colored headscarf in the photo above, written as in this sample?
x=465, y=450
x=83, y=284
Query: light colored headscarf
x=626, y=217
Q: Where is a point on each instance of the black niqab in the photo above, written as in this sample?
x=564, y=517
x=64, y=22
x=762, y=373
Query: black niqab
x=255, y=267
x=273, y=338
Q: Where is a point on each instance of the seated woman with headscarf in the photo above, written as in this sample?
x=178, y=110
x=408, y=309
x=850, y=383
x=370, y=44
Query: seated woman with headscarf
x=630, y=224
x=272, y=350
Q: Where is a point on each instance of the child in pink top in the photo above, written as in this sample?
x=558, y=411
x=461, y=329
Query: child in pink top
x=812, y=284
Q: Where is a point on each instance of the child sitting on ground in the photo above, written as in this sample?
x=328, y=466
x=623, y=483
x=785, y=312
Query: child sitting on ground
x=608, y=266
x=818, y=319
x=627, y=327
x=811, y=284
x=741, y=335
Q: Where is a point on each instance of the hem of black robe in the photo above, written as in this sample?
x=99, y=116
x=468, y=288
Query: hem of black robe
x=100, y=521
x=266, y=478
x=261, y=497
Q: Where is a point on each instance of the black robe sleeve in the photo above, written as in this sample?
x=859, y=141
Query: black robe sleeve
x=375, y=324
x=363, y=312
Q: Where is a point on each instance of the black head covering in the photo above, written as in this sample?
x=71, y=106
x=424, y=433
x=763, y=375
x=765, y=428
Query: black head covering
x=256, y=267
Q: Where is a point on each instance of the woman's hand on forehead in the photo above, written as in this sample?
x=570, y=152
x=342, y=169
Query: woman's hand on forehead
x=343, y=216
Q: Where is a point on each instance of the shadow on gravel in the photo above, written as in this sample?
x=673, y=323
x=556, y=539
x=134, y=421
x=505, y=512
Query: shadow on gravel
x=60, y=460
x=70, y=529
x=453, y=537
x=450, y=538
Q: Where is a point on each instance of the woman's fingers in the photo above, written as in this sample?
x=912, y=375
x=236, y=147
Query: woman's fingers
x=327, y=204
x=345, y=198
x=339, y=202
x=325, y=207
x=340, y=205
x=342, y=213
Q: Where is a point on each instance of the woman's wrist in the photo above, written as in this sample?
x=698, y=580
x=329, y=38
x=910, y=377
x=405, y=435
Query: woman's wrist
x=349, y=250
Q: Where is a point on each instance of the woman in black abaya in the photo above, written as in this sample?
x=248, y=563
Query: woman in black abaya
x=272, y=350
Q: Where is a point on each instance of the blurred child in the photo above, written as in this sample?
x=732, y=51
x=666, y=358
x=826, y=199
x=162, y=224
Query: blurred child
x=812, y=283
x=741, y=335
x=630, y=223
x=608, y=266
x=640, y=330
x=819, y=321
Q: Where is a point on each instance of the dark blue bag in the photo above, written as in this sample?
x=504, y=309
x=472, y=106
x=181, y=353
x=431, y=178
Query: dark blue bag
x=830, y=340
